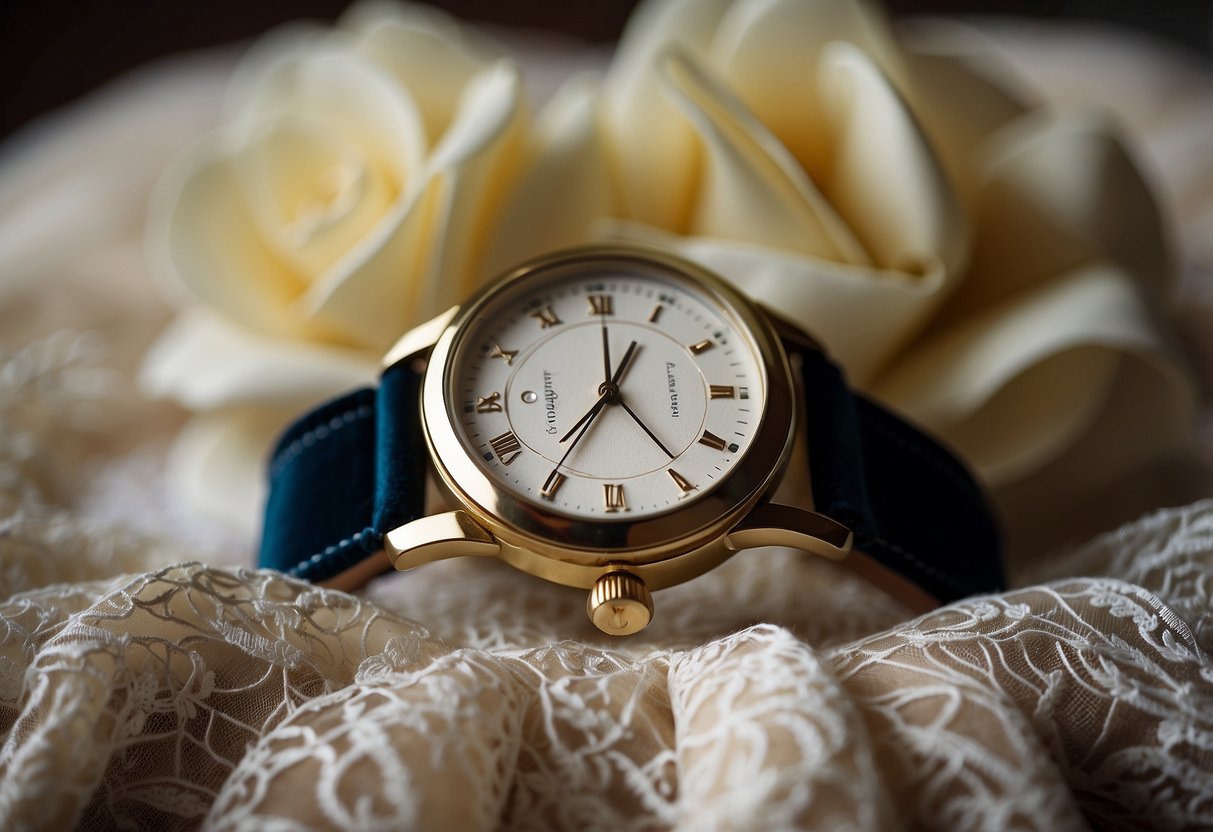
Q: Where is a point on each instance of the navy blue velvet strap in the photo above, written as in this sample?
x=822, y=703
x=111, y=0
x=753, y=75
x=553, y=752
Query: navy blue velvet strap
x=344, y=475
x=912, y=505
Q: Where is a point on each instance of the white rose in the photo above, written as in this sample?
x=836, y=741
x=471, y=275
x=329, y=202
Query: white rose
x=987, y=268
x=345, y=199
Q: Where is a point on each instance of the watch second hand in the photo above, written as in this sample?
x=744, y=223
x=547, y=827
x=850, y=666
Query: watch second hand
x=584, y=429
x=643, y=426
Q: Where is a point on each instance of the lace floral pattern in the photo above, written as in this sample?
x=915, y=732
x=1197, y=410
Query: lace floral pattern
x=246, y=699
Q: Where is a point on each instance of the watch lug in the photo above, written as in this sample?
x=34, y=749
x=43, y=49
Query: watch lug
x=771, y=524
x=437, y=537
x=791, y=334
x=419, y=339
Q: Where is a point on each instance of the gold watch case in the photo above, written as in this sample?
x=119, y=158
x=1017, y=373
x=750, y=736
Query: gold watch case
x=620, y=561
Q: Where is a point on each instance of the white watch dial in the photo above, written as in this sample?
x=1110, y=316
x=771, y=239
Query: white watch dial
x=606, y=395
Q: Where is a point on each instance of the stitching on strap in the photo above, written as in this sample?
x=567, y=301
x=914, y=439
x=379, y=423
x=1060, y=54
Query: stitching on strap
x=318, y=434
x=328, y=551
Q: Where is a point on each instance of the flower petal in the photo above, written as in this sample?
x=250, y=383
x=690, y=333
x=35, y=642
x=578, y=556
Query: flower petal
x=962, y=94
x=1014, y=386
x=652, y=150
x=1077, y=172
x=372, y=295
x=332, y=82
x=424, y=50
x=316, y=195
x=297, y=191
x=565, y=185
x=885, y=179
x=205, y=363
x=1058, y=190
x=425, y=258
x=770, y=50
x=750, y=187
x=213, y=243
x=474, y=166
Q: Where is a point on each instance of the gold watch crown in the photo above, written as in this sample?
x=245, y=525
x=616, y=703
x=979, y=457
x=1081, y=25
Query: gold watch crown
x=620, y=604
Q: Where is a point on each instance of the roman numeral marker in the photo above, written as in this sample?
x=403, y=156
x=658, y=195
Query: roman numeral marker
x=546, y=317
x=712, y=441
x=612, y=496
x=489, y=403
x=702, y=346
x=498, y=352
x=506, y=446
x=551, y=485
x=679, y=480
x=721, y=391
x=655, y=314
x=601, y=304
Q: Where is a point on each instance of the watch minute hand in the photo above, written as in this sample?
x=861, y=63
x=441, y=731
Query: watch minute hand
x=644, y=427
x=623, y=364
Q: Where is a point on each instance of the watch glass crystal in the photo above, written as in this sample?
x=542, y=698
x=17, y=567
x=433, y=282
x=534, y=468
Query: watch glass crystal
x=603, y=391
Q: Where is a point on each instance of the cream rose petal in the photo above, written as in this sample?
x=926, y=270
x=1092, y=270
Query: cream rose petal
x=750, y=187
x=424, y=50
x=205, y=363
x=962, y=95
x=474, y=167
x=333, y=82
x=372, y=294
x=424, y=261
x=885, y=179
x=1077, y=172
x=1015, y=385
x=652, y=149
x=214, y=244
x=348, y=227
x=1037, y=343
x=1136, y=453
x=565, y=184
x=316, y=194
x=770, y=50
x=1058, y=190
x=311, y=174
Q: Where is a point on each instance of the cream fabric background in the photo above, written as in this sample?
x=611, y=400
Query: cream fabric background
x=773, y=693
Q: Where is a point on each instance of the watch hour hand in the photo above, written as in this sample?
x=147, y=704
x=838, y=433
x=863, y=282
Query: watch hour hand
x=623, y=364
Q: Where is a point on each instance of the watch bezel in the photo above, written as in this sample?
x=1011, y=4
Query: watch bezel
x=526, y=527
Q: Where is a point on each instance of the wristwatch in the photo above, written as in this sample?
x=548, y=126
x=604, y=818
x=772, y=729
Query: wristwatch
x=618, y=419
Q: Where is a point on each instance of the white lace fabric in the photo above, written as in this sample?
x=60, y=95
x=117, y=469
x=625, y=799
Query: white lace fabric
x=149, y=679
x=243, y=699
